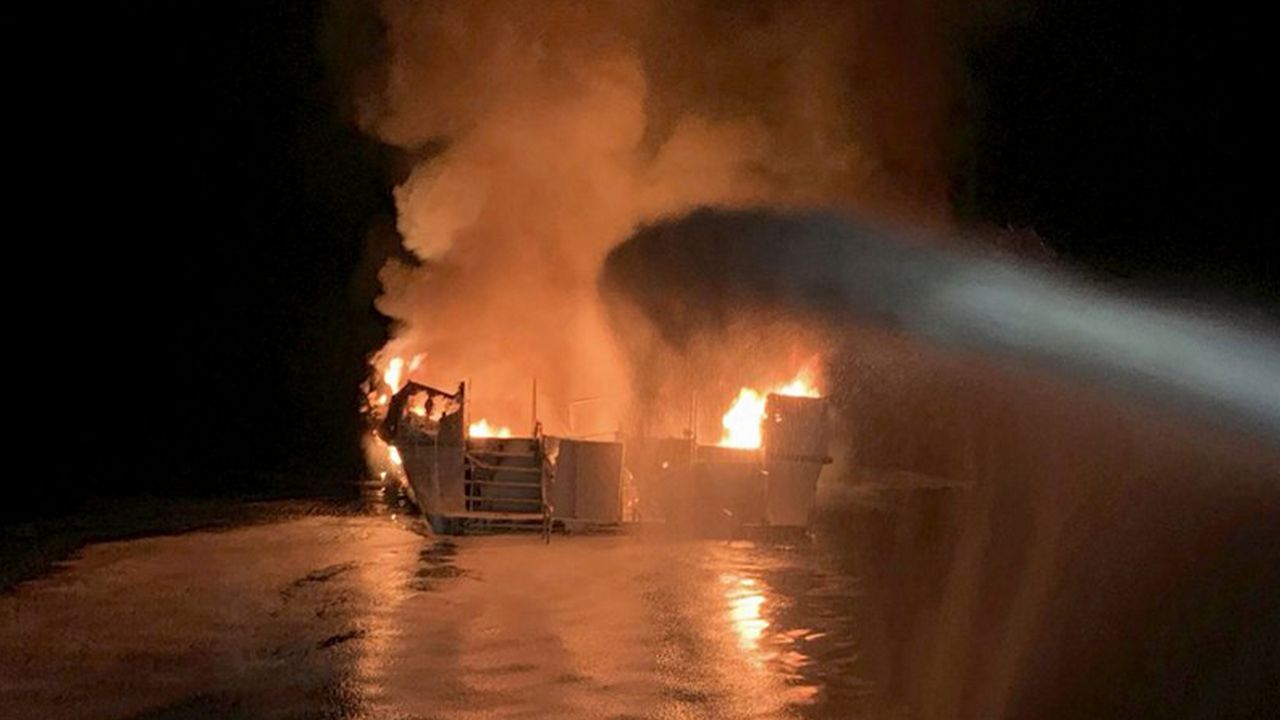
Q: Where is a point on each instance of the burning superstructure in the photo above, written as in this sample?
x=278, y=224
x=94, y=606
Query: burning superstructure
x=464, y=475
x=761, y=473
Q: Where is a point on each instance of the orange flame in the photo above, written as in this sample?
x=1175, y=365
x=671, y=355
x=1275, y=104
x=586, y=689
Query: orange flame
x=419, y=407
x=394, y=374
x=482, y=429
x=802, y=385
x=742, y=421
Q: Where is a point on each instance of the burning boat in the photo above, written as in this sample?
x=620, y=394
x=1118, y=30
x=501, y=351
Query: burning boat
x=468, y=477
x=761, y=476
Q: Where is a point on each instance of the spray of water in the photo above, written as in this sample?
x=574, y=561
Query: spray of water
x=821, y=265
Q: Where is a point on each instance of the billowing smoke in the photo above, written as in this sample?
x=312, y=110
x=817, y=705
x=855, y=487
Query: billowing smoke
x=545, y=131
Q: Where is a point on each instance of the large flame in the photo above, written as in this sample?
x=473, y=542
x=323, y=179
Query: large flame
x=482, y=429
x=394, y=374
x=397, y=371
x=742, y=421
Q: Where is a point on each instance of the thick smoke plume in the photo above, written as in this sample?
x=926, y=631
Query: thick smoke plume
x=545, y=131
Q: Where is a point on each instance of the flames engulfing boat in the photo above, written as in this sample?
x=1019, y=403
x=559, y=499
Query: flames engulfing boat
x=464, y=483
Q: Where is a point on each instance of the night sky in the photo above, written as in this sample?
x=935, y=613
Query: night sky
x=235, y=218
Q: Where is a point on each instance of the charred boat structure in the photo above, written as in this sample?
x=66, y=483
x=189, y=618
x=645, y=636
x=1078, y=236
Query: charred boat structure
x=540, y=482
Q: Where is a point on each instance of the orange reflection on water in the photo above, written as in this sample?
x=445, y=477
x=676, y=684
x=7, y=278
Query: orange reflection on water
x=746, y=600
x=775, y=651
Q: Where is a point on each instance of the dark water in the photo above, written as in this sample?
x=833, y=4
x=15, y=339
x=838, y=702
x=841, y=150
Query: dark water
x=368, y=616
x=895, y=609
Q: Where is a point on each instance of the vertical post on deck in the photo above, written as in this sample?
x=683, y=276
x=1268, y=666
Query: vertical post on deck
x=693, y=418
x=467, y=390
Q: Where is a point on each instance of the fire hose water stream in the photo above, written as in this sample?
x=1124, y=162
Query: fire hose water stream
x=1205, y=365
